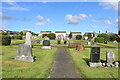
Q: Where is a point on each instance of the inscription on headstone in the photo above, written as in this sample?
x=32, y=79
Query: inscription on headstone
x=46, y=43
x=95, y=54
x=110, y=57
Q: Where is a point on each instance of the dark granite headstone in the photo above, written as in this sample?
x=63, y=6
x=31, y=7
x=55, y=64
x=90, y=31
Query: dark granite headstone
x=65, y=42
x=24, y=53
x=95, y=54
x=105, y=42
x=58, y=42
x=46, y=43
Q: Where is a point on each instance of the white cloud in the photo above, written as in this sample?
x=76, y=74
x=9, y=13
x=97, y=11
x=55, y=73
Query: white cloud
x=14, y=6
x=40, y=23
x=109, y=5
x=3, y=25
x=96, y=21
x=108, y=22
x=40, y=18
x=2, y=16
x=75, y=19
x=93, y=26
x=116, y=20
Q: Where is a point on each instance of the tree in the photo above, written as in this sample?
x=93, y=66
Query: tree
x=21, y=33
x=51, y=36
x=113, y=37
x=105, y=36
x=4, y=33
x=78, y=37
x=89, y=36
x=43, y=35
x=99, y=39
x=70, y=35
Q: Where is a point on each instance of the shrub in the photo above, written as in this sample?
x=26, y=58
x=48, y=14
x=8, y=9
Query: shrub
x=105, y=36
x=4, y=33
x=6, y=40
x=17, y=37
x=99, y=39
x=113, y=37
x=78, y=37
x=70, y=35
x=51, y=36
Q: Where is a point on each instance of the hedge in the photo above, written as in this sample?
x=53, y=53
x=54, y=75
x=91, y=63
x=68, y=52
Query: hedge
x=17, y=37
x=99, y=39
x=6, y=40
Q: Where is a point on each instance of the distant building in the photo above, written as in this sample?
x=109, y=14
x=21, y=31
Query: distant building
x=74, y=34
x=24, y=32
x=93, y=35
x=44, y=32
x=60, y=34
x=11, y=33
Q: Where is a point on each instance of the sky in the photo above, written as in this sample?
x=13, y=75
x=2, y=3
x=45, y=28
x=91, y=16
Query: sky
x=60, y=16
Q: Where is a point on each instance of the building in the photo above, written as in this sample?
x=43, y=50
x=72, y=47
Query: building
x=93, y=35
x=74, y=34
x=60, y=34
x=44, y=32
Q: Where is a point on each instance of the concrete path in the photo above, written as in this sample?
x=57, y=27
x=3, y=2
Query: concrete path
x=63, y=65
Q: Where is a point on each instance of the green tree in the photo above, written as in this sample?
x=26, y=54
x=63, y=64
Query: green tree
x=113, y=37
x=89, y=36
x=105, y=36
x=51, y=35
x=70, y=35
x=4, y=33
x=99, y=39
x=21, y=33
x=78, y=37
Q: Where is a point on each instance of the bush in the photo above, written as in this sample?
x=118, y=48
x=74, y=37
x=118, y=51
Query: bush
x=113, y=37
x=17, y=37
x=99, y=39
x=51, y=36
x=6, y=40
x=78, y=37
x=4, y=33
x=105, y=36
x=70, y=35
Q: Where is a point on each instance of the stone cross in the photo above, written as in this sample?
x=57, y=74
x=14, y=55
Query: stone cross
x=28, y=38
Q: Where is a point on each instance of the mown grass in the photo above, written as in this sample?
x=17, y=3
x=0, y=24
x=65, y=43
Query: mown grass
x=21, y=69
x=16, y=41
x=81, y=58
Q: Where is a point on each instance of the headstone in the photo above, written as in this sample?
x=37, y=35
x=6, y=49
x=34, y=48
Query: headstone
x=36, y=41
x=28, y=38
x=73, y=45
x=65, y=42
x=80, y=47
x=24, y=53
x=58, y=42
x=105, y=42
x=115, y=41
x=53, y=42
x=46, y=44
x=95, y=57
x=71, y=41
x=89, y=43
x=110, y=57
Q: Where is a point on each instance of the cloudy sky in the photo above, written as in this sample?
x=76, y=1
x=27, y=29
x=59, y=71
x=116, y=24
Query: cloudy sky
x=60, y=16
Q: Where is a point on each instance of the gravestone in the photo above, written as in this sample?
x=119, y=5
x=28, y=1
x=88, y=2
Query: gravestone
x=89, y=43
x=65, y=42
x=80, y=47
x=36, y=41
x=110, y=57
x=95, y=57
x=28, y=38
x=58, y=42
x=24, y=51
x=46, y=44
x=53, y=42
x=105, y=42
x=115, y=41
x=71, y=41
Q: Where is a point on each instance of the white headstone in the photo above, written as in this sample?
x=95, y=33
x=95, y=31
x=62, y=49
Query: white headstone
x=89, y=43
x=28, y=38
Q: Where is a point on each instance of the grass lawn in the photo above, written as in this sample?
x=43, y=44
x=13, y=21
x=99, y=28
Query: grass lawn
x=21, y=69
x=81, y=57
x=111, y=44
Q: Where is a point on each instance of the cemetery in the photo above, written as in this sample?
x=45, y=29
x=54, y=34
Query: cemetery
x=60, y=40
x=40, y=53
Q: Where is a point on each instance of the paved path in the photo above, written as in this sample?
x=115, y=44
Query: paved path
x=63, y=66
